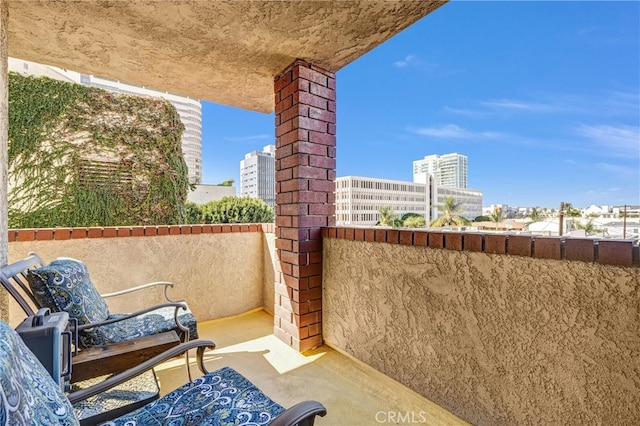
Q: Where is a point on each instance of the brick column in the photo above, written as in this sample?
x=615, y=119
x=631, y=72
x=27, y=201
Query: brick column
x=305, y=98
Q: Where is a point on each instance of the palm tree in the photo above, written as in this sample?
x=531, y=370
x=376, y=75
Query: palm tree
x=496, y=217
x=535, y=214
x=387, y=216
x=589, y=227
x=449, y=208
x=570, y=211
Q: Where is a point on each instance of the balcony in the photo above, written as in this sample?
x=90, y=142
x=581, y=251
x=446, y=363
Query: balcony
x=354, y=393
x=494, y=329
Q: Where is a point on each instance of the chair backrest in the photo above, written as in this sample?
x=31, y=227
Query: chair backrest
x=29, y=395
x=14, y=279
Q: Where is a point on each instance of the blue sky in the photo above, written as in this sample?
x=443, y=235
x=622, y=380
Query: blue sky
x=542, y=97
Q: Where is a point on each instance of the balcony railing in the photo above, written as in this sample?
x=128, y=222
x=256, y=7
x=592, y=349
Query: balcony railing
x=498, y=329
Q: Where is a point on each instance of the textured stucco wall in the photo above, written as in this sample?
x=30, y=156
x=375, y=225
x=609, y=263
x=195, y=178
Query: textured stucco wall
x=269, y=267
x=217, y=274
x=229, y=51
x=498, y=340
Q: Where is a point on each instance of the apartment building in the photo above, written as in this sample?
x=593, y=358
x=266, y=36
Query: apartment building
x=258, y=175
x=450, y=179
x=449, y=170
x=189, y=109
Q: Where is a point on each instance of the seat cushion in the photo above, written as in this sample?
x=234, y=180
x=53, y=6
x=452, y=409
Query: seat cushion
x=116, y=401
x=28, y=394
x=64, y=285
x=223, y=397
x=154, y=322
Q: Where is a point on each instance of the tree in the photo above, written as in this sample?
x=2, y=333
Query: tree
x=496, y=216
x=237, y=210
x=448, y=209
x=570, y=211
x=414, y=222
x=387, y=216
x=228, y=182
x=589, y=227
x=535, y=214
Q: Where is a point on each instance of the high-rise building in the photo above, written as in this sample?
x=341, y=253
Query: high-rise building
x=189, y=109
x=449, y=170
x=258, y=175
x=448, y=174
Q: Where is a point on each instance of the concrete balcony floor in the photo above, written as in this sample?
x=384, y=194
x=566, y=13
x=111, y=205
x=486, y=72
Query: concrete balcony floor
x=352, y=392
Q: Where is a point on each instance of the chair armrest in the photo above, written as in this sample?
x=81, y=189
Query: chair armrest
x=177, y=305
x=167, y=285
x=303, y=414
x=199, y=344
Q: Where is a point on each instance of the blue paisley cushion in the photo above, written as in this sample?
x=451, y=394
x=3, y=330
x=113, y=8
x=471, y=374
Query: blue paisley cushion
x=28, y=394
x=154, y=322
x=64, y=285
x=223, y=397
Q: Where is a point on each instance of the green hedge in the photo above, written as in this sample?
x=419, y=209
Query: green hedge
x=230, y=210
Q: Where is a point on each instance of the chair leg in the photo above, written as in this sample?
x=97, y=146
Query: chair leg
x=186, y=361
x=186, y=357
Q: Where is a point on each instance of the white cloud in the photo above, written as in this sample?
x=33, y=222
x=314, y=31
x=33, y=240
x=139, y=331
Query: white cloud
x=617, y=169
x=610, y=103
x=416, y=63
x=452, y=131
x=517, y=105
x=467, y=112
x=623, y=103
x=409, y=59
x=622, y=140
x=247, y=138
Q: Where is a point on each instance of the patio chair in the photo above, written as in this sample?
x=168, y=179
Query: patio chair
x=29, y=394
x=65, y=285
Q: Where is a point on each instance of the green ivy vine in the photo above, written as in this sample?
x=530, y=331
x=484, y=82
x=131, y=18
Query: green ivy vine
x=83, y=156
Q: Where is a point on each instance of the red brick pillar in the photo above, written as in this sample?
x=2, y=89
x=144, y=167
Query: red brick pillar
x=305, y=109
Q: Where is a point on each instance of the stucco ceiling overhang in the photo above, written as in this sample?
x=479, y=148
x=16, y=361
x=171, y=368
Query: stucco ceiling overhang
x=226, y=52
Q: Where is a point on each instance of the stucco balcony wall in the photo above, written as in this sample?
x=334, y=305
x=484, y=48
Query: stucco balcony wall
x=497, y=339
x=219, y=270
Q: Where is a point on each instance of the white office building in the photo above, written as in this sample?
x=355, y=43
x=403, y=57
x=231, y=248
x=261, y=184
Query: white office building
x=470, y=201
x=258, y=175
x=359, y=198
x=449, y=170
x=203, y=194
x=189, y=109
